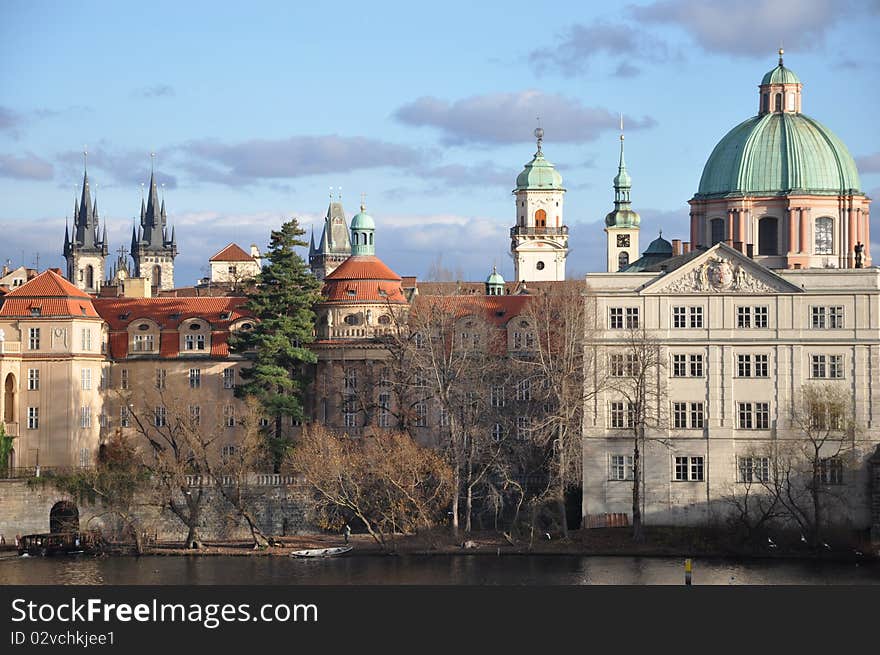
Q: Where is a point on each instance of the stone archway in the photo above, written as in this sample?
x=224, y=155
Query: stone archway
x=64, y=517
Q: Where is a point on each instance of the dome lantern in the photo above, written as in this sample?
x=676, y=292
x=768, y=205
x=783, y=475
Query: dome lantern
x=495, y=283
x=780, y=91
x=363, y=228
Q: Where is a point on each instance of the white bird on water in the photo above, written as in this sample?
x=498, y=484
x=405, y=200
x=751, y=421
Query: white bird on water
x=770, y=543
x=827, y=547
x=803, y=538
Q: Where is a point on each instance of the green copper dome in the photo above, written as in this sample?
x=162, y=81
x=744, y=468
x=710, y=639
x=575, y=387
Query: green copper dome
x=776, y=154
x=362, y=221
x=539, y=174
x=781, y=75
x=495, y=278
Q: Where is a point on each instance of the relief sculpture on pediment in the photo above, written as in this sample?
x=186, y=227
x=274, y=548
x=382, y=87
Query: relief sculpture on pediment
x=719, y=274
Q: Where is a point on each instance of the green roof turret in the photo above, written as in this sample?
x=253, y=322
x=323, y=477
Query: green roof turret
x=539, y=174
x=623, y=214
x=363, y=228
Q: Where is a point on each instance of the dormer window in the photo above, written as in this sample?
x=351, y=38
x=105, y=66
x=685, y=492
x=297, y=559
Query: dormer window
x=195, y=337
x=36, y=311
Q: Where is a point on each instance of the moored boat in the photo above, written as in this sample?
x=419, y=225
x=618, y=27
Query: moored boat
x=321, y=552
x=54, y=543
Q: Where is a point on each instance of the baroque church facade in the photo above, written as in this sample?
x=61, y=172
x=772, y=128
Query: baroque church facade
x=773, y=290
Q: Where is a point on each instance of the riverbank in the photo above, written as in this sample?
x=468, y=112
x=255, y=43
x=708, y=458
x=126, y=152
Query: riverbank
x=659, y=542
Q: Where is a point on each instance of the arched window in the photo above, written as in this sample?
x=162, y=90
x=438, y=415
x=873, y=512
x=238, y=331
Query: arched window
x=90, y=276
x=778, y=102
x=790, y=105
x=540, y=218
x=157, y=276
x=765, y=102
x=371, y=239
x=622, y=260
x=824, y=230
x=716, y=229
x=768, y=236
x=9, y=399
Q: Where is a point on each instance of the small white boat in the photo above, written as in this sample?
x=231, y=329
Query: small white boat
x=321, y=552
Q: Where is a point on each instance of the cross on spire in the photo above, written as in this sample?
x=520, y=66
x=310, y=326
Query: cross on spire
x=363, y=201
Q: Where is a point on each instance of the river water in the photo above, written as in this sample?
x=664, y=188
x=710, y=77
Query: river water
x=425, y=570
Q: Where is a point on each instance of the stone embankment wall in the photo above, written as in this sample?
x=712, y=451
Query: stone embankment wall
x=875, y=499
x=279, y=508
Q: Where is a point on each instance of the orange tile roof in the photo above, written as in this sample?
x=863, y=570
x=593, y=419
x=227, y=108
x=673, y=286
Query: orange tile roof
x=232, y=253
x=47, y=295
x=353, y=291
x=169, y=313
x=48, y=284
x=363, y=267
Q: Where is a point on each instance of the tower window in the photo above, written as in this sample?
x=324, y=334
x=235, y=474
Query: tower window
x=824, y=236
x=768, y=236
x=622, y=260
x=765, y=102
x=716, y=226
x=778, y=102
x=540, y=218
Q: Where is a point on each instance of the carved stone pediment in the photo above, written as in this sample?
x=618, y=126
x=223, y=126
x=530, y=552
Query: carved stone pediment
x=721, y=270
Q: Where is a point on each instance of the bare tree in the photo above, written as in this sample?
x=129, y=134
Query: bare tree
x=387, y=481
x=170, y=444
x=636, y=377
x=556, y=333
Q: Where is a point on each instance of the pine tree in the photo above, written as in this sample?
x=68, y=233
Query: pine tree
x=282, y=301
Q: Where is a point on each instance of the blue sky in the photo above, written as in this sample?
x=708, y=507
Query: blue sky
x=256, y=109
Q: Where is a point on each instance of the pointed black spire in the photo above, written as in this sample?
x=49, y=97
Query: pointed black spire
x=66, y=238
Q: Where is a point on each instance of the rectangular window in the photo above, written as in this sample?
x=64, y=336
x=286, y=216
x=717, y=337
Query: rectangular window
x=229, y=378
x=696, y=469
x=622, y=415
x=85, y=417
x=143, y=343
x=696, y=317
x=522, y=427
x=195, y=415
x=632, y=317
x=762, y=366
x=33, y=379
x=84, y=457
x=761, y=317
x=123, y=378
x=103, y=421
x=159, y=417
x=33, y=338
x=86, y=379
x=831, y=470
x=679, y=366
x=835, y=317
x=384, y=417
x=817, y=318
x=616, y=318
x=679, y=415
x=746, y=420
x=754, y=469
x=161, y=375
x=817, y=366
x=105, y=378
x=679, y=317
x=497, y=396
x=86, y=339
x=444, y=417
x=189, y=342
x=349, y=379
x=681, y=469
x=517, y=340
x=744, y=366
x=195, y=378
x=620, y=467
x=762, y=416
x=229, y=416
x=497, y=432
x=835, y=366
x=200, y=342
x=33, y=418
x=743, y=317
x=698, y=416
x=421, y=414
x=696, y=366
x=524, y=390
x=124, y=417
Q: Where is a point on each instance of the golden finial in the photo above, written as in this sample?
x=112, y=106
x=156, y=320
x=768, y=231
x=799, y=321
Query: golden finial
x=781, y=52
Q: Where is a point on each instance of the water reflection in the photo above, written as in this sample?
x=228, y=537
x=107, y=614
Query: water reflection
x=436, y=570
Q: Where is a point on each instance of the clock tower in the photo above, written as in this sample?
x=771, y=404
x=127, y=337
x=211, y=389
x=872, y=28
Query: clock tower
x=539, y=240
x=622, y=224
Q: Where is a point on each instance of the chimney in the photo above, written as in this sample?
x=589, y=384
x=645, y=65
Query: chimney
x=5, y=269
x=685, y=247
x=676, y=247
x=255, y=252
x=750, y=250
x=738, y=245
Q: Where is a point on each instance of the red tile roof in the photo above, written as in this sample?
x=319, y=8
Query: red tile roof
x=498, y=310
x=232, y=253
x=169, y=313
x=47, y=295
x=354, y=291
x=363, y=267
